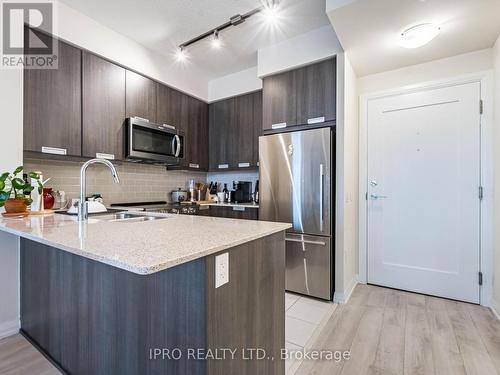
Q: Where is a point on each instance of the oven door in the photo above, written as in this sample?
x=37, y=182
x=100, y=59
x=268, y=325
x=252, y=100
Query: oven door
x=154, y=143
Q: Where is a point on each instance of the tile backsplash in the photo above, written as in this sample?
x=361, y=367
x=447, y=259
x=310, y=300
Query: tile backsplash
x=138, y=182
x=229, y=177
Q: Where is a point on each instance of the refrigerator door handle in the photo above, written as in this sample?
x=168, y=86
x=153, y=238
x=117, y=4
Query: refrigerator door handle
x=321, y=243
x=321, y=193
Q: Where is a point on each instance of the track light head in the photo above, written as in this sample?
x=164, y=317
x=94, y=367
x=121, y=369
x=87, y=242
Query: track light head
x=216, y=42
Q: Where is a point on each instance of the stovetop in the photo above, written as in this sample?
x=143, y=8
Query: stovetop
x=161, y=207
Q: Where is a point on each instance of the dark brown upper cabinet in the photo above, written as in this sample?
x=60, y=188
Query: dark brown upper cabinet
x=221, y=119
x=247, y=130
x=52, y=105
x=280, y=101
x=103, y=108
x=304, y=96
x=257, y=125
x=169, y=107
x=235, y=125
x=190, y=116
x=197, y=140
x=316, y=93
x=140, y=96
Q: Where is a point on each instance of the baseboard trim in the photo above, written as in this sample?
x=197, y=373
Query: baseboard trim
x=495, y=308
x=9, y=328
x=342, y=298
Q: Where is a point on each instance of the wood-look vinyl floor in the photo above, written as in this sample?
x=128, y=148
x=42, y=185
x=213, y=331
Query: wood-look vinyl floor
x=19, y=357
x=390, y=332
x=387, y=332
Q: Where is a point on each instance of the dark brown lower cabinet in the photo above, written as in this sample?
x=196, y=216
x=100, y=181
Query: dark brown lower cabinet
x=91, y=318
x=234, y=212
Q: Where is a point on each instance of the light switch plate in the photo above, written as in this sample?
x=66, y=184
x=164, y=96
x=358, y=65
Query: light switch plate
x=221, y=269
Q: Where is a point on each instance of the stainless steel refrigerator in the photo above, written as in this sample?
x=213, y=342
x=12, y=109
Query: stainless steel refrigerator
x=296, y=181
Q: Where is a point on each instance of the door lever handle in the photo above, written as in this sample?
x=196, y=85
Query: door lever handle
x=376, y=196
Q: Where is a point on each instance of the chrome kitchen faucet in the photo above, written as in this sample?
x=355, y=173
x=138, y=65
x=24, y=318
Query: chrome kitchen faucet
x=82, y=204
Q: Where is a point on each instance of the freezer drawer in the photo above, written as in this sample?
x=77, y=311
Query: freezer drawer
x=309, y=265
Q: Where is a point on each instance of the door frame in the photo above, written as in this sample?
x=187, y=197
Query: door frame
x=485, y=79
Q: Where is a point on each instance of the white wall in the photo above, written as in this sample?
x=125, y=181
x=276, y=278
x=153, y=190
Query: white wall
x=496, y=157
x=234, y=84
x=304, y=49
x=347, y=218
x=432, y=71
x=83, y=31
x=351, y=178
x=11, y=156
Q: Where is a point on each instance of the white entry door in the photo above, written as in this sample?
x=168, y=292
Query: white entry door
x=423, y=191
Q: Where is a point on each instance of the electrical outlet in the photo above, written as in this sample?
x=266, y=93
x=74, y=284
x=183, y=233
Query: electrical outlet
x=221, y=269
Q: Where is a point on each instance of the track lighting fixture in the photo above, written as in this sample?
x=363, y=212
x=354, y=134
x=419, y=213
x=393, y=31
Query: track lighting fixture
x=269, y=10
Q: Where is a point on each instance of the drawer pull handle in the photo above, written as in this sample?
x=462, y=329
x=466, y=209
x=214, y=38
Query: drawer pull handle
x=100, y=155
x=191, y=165
x=243, y=165
x=280, y=125
x=316, y=120
x=54, y=150
x=306, y=242
x=223, y=166
x=237, y=208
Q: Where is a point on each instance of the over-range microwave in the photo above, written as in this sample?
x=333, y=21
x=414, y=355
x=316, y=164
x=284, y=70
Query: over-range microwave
x=153, y=143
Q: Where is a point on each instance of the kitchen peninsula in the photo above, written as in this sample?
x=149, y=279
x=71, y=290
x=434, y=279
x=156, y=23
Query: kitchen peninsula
x=119, y=296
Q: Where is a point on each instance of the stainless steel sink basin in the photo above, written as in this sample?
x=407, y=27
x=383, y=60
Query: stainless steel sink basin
x=128, y=217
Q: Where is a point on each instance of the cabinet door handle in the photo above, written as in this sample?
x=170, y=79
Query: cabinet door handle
x=316, y=120
x=243, y=165
x=321, y=243
x=237, y=208
x=54, y=150
x=100, y=155
x=280, y=125
x=223, y=166
x=192, y=165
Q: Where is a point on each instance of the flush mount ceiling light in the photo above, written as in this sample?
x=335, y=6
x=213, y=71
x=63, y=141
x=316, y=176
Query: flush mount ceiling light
x=269, y=10
x=420, y=35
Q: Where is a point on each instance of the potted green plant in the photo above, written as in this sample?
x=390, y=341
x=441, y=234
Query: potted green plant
x=13, y=190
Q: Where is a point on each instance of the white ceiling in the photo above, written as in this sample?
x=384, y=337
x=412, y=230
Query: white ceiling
x=163, y=24
x=368, y=30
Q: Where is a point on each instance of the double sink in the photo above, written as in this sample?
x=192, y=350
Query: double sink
x=127, y=217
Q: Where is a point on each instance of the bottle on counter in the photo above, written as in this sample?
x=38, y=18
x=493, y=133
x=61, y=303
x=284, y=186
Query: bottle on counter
x=191, y=191
x=226, y=194
x=36, y=195
x=256, y=192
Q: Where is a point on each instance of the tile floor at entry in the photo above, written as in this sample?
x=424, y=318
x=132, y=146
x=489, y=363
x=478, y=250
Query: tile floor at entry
x=305, y=317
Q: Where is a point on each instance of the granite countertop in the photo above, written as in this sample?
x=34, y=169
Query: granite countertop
x=141, y=247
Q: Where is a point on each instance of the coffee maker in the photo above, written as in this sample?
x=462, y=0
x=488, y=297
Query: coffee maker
x=242, y=192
